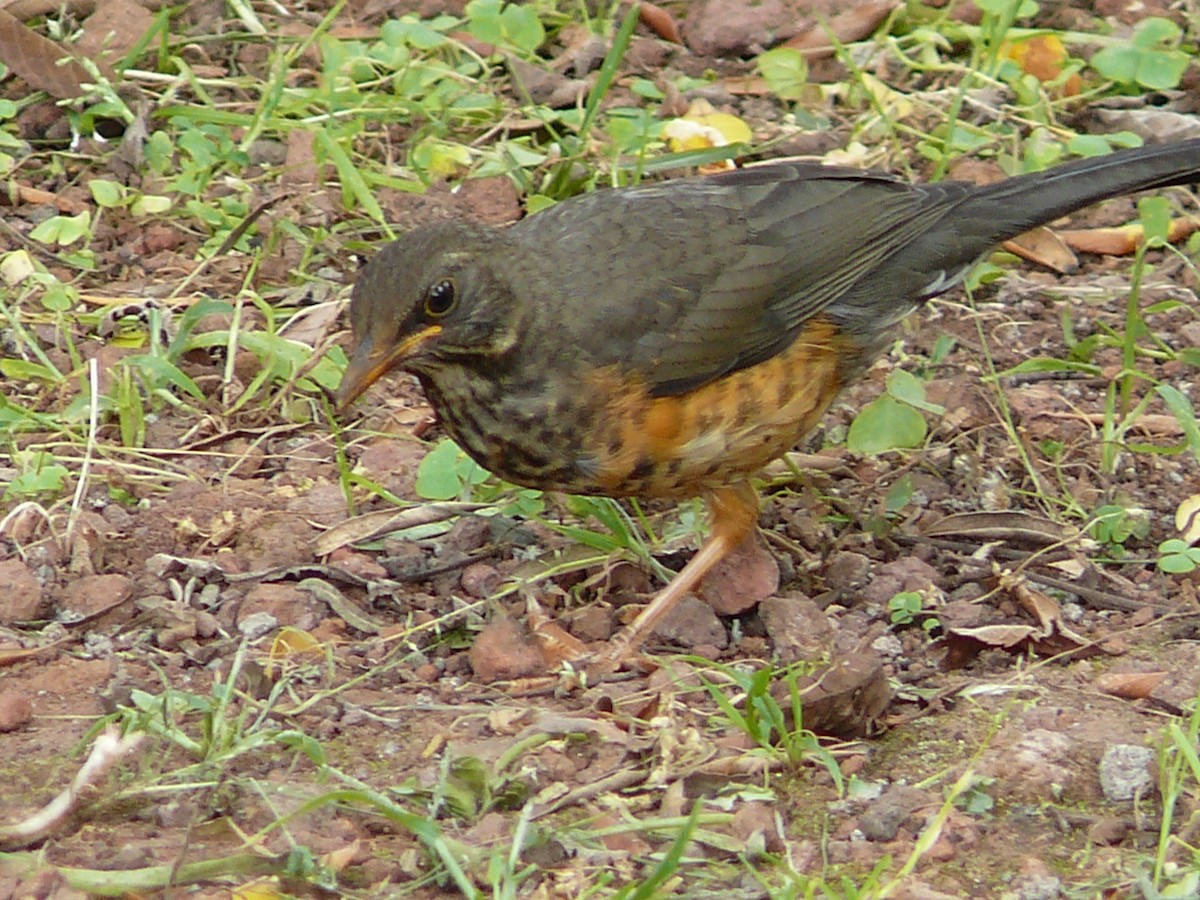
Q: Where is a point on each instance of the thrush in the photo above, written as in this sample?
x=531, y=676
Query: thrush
x=669, y=339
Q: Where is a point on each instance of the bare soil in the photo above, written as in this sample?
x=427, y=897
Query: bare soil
x=413, y=670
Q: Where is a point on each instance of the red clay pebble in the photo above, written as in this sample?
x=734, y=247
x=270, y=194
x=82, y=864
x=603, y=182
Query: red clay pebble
x=15, y=710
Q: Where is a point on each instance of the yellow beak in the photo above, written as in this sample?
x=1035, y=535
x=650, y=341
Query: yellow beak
x=370, y=363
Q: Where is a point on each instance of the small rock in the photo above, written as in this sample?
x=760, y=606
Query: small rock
x=20, y=593
x=735, y=27
x=1177, y=689
x=591, y=623
x=283, y=604
x=906, y=574
x=1125, y=771
x=468, y=534
x=754, y=824
x=888, y=646
x=919, y=890
x=847, y=571
x=94, y=594
x=481, y=580
x=692, y=623
x=742, y=580
x=504, y=650
x=797, y=627
x=257, y=624
x=1037, y=767
x=882, y=819
x=360, y=564
x=1035, y=887
x=1109, y=831
x=15, y=711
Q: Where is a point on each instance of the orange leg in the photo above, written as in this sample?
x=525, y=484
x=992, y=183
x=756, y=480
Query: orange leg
x=733, y=513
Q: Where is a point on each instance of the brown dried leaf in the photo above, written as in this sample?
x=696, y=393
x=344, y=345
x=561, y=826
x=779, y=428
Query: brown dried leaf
x=855, y=24
x=660, y=21
x=373, y=524
x=37, y=60
x=999, y=526
x=1046, y=248
x=1130, y=685
x=1125, y=239
x=847, y=699
x=113, y=30
x=1042, y=607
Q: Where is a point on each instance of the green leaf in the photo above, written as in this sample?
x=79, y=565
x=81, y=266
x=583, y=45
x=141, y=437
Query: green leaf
x=522, y=27
x=41, y=475
x=437, y=475
x=1049, y=364
x=1025, y=9
x=1181, y=409
x=483, y=21
x=411, y=31
x=1155, y=213
x=1155, y=30
x=106, y=193
x=907, y=388
x=1179, y=564
x=1089, y=145
x=1118, y=64
x=900, y=494
x=886, y=424
x=158, y=371
x=21, y=370
x=785, y=72
x=1161, y=70
x=62, y=230
x=150, y=205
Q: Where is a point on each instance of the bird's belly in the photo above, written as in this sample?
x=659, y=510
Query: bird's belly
x=610, y=437
x=719, y=433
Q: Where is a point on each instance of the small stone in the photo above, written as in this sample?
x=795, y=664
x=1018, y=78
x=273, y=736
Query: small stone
x=282, y=603
x=797, y=627
x=754, y=824
x=1125, y=771
x=691, y=623
x=15, y=711
x=742, y=580
x=504, y=650
x=93, y=594
x=20, y=593
x=1035, y=887
x=257, y=625
x=481, y=580
x=882, y=819
x=1108, y=831
x=847, y=571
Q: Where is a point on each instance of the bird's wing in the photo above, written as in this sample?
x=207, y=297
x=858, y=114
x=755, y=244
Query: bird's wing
x=688, y=280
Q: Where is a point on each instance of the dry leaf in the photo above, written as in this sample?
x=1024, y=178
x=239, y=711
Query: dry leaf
x=1125, y=239
x=999, y=526
x=1130, y=685
x=660, y=21
x=855, y=24
x=1045, y=248
x=40, y=61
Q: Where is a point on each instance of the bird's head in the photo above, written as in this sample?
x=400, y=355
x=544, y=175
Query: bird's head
x=431, y=299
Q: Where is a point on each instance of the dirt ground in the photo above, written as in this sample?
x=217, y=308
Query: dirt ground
x=332, y=705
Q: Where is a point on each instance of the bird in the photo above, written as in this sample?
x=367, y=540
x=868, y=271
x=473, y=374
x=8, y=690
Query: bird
x=669, y=339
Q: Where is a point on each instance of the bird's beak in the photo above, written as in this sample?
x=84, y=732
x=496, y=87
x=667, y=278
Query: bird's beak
x=371, y=362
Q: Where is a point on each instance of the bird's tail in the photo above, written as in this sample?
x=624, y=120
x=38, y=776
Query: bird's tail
x=1026, y=201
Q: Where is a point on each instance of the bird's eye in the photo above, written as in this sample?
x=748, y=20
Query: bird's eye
x=441, y=297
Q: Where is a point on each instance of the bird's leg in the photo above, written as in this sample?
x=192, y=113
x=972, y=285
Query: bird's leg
x=733, y=513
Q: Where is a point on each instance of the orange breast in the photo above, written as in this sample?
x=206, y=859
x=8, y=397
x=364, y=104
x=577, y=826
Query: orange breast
x=719, y=433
